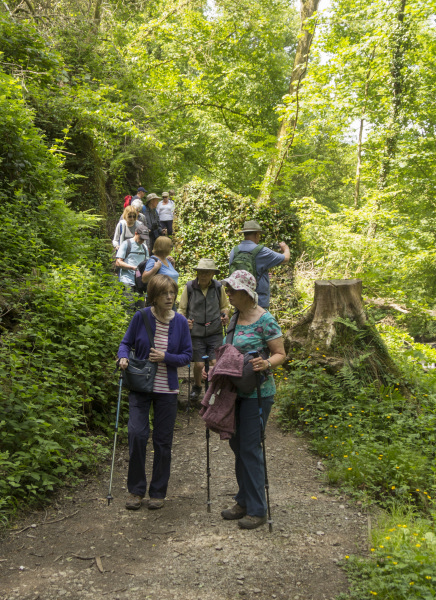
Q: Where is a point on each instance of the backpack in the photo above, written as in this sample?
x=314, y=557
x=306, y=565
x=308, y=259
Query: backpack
x=140, y=286
x=245, y=261
x=127, y=200
x=218, y=286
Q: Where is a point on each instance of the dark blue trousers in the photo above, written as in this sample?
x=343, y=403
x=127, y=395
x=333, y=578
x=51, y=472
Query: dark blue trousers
x=165, y=412
x=247, y=447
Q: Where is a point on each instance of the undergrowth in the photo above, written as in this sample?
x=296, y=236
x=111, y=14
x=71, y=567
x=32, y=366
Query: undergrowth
x=378, y=443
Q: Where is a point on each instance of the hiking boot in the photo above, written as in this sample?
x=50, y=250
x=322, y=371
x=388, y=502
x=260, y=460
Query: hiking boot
x=133, y=502
x=236, y=512
x=249, y=522
x=155, y=503
x=195, y=393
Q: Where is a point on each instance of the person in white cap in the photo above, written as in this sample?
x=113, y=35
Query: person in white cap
x=165, y=210
x=206, y=306
x=257, y=259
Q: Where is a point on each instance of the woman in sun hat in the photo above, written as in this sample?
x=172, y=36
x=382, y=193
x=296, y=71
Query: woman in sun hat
x=255, y=329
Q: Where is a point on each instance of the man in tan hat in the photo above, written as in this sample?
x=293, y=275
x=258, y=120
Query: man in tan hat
x=152, y=219
x=205, y=304
x=257, y=259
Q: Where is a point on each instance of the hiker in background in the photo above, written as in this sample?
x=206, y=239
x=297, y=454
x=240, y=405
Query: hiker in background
x=205, y=304
x=139, y=194
x=172, y=349
x=129, y=255
x=160, y=261
x=125, y=229
x=172, y=193
x=165, y=210
x=254, y=329
x=138, y=206
x=152, y=219
x=257, y=259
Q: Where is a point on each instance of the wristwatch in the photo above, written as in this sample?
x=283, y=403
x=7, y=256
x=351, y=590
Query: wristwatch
x=269, y=364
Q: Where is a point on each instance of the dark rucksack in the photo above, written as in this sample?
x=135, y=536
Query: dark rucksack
x=244, y=260
x=140, y=286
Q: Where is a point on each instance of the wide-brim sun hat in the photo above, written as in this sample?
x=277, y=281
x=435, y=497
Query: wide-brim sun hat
x=243, y=280
x=151, y=197
x=206, y=264
x=251, y=226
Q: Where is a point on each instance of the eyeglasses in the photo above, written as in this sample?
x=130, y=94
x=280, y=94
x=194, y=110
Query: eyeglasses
x=230, y=290
x=131, y=216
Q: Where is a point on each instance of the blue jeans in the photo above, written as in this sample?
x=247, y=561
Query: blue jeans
x=249, y=460
x=165, y=412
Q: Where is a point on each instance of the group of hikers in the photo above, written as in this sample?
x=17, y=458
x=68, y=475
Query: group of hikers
x=166, y=338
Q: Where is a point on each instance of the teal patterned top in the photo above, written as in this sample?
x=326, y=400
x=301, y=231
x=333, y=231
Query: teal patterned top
x=255, y=337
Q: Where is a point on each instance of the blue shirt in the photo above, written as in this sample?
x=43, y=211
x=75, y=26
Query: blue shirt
x=138, y=253
x=164, y=270
x=266, y=259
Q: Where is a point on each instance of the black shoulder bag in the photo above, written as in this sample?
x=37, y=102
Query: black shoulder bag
x=139, y=375
x=247, y=383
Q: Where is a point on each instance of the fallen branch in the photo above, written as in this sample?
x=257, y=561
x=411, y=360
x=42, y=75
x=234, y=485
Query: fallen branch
x=35, y=525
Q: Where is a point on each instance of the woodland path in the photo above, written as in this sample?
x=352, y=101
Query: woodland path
x=81, y=548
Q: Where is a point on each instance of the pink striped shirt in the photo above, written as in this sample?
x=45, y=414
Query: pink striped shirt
x=160, y=384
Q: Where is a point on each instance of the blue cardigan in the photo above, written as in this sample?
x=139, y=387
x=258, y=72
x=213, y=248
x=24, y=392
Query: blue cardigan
x=179, y=351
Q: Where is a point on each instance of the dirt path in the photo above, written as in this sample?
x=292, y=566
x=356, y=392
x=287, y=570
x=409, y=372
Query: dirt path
x=81, y=548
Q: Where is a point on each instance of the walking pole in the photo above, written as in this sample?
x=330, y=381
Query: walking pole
x=188, y=404
x=255, y=354
x=109, y=496
x=206, y=384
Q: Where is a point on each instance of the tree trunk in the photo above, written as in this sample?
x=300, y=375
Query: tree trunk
x=335, y=298
x=286, y=131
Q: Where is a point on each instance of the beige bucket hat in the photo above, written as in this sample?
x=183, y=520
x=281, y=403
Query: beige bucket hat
x=151, y=197
x=252, y=226
x=206, y=264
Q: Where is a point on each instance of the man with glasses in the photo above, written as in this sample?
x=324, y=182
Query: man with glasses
x=129, y=255
x=205, y=304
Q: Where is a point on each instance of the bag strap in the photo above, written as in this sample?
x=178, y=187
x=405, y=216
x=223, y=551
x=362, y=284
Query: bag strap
x=231, y=328
x=147, y=327
x=128, y=249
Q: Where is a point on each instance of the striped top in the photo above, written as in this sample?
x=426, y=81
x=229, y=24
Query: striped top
x=160, y=384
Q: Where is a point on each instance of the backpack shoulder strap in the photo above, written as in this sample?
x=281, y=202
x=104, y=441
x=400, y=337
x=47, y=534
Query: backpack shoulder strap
x=147, y=327
x=256, y=250
x=218, y=286
x=231, y=328
x=129, y=249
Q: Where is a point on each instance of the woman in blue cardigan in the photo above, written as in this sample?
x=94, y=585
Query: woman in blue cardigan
x=172, y=349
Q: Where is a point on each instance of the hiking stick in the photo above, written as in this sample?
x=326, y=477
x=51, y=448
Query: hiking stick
x=206, y=385
x=109, y=496
x=188, y=404
x=255, y=354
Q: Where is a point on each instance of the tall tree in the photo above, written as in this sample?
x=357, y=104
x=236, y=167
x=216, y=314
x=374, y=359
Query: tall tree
x=288, y=124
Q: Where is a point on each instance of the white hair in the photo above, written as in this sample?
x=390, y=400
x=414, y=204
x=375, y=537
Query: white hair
x=137, y=203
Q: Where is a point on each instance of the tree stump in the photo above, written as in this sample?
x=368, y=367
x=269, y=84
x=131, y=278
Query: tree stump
x=335, y=332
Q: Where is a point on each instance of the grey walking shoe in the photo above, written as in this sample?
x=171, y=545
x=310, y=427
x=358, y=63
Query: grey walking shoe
x=236, y=512
x=155, y=503
x=251, y=522
x=133, y=502
x=195, y=393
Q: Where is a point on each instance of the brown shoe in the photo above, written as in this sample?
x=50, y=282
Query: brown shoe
x=133, y=502
x=236, y=512
x=250, y=522
x=155, y=503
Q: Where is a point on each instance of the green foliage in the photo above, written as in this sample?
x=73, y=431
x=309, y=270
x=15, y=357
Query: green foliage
x=401, y=566
x=56, y=380
x=210, y=219
x=378, y=438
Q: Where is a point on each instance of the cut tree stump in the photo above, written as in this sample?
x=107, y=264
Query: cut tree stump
x=333, y=298
x=335, y=332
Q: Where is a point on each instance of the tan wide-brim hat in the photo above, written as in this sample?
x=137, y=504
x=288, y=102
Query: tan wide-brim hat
x=252, y=226
x=151, y=197
x=206, y=264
